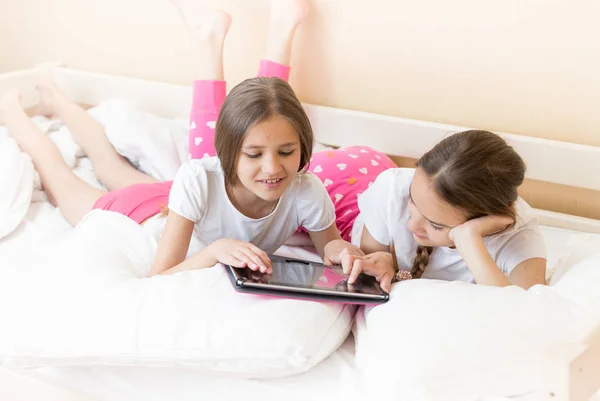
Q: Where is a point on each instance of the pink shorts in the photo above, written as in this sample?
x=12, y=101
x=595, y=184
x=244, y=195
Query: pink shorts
x=347, y=173
x=138, y=201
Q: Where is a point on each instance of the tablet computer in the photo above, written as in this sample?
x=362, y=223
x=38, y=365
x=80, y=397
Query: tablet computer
x=302, y=279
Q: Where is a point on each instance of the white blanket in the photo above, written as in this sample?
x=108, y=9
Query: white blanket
x=157, y=146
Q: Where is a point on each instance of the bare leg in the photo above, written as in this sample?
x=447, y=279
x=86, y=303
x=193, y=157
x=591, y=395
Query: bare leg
x=208, y=29
x=65, y=190
x=112, y=169
x=284, y=18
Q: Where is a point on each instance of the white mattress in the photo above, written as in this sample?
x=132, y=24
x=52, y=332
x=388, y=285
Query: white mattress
x=335, y=378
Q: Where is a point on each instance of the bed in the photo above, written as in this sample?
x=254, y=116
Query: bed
x=568, y=371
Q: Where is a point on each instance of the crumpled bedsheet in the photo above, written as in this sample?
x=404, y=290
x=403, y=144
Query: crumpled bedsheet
x=155, y=145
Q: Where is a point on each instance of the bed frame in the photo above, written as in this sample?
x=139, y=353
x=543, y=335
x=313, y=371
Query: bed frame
x=571, y=372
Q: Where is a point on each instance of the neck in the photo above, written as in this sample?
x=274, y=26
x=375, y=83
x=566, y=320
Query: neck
x=248, y=203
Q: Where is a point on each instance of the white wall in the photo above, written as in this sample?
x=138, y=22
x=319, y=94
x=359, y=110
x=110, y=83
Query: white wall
x=525, y=66
x=529, y=67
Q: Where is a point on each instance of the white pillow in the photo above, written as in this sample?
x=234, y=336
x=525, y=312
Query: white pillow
x=16, y=181
x=577, y=275
x=453, y=341
x=80, y=301
x=579, y=247
x=156, y=145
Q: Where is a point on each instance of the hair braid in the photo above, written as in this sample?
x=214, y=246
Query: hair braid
x=421, y=261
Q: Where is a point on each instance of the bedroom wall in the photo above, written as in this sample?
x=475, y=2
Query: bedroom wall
x=527, y=67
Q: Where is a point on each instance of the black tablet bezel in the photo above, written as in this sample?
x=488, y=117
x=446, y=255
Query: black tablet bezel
x=243, y=285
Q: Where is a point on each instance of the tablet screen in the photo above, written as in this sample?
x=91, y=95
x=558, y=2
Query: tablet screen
x=304, y=274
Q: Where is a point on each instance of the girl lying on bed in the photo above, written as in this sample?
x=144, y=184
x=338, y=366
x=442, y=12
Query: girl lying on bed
x=239, y=205
x=457, y=216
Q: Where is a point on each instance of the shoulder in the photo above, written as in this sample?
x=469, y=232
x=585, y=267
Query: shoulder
x=391, y=185
x=201, y=166
x=306, y=185
x=310, y=202
x=526, y=216
x=522, y=242
x=200, y=169
x=196, y=182
x=399, y=178
x=525, y=231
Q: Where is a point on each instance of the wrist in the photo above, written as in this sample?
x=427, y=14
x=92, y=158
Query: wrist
x=333, y=242
x=386, y=259
x=465, y=237
x=208, y=255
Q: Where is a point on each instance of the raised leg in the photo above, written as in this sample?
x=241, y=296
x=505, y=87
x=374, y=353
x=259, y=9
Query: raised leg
x=112, y=169
x=284, y=18
x=208, y=29
x=65, y=190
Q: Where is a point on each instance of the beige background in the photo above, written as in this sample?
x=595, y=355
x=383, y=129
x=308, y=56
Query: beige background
x=529, y=67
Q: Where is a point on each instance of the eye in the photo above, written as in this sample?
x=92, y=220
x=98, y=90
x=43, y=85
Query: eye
x=282, y=153
x=436, y=227
x=253, y=155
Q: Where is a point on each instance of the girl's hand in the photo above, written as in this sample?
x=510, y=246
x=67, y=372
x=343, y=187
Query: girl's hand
x=241, y=254
x=481, y=227
x=334, y=249
x=378, y=264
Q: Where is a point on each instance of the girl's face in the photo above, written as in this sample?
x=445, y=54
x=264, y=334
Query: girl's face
x=431, y=218
x=269, y=158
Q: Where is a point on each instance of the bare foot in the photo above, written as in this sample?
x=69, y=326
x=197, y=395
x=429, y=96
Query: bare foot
x=287, y=13
x=10, y=101
x=50, y=97
x=203, y=22
x=284, y=18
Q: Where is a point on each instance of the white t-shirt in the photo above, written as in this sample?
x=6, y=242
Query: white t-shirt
x=384, y=211
x=199, y=195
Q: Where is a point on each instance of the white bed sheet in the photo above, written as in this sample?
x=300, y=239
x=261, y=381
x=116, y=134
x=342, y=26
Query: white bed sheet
x=335, y=378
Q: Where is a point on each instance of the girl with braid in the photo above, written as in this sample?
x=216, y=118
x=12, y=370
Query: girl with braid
x=457, y=216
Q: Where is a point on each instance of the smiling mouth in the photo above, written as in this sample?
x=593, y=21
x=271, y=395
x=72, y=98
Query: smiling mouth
x=272, y=181
x=419, y=236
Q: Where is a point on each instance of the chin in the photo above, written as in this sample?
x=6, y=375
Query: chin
x=270, y=195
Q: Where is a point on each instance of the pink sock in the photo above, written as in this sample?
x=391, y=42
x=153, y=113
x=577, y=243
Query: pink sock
x=208, y=97
x=272, y=69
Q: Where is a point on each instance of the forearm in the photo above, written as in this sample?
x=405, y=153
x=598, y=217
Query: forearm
x=164, y=262
x=338, y=245
x=203, y=259
x=327, y=242
x=479, y=261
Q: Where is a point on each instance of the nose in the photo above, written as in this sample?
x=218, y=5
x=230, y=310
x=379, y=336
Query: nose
x=271, y=164
x=416, y=221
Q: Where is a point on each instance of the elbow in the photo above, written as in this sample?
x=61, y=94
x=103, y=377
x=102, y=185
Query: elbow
x=157, y=269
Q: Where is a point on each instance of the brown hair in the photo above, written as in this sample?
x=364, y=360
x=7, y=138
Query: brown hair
x=476, y=172
x=250, y=102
